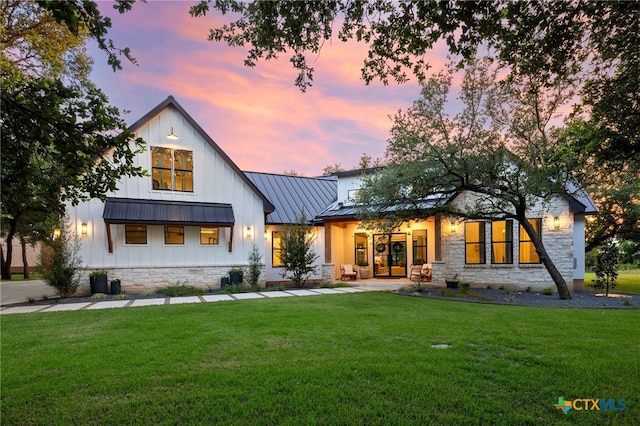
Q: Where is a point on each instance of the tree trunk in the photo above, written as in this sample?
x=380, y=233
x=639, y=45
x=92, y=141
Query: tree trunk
x=6, y=264
x=25, y=263
x=561, y=285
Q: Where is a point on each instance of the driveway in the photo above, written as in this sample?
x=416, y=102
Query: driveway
x=21, y=291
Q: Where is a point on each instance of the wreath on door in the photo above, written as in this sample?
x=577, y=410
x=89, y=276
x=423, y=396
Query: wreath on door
x=397, y=247
x=381, y=247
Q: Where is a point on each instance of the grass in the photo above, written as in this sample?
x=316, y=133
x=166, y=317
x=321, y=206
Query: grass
x=364, y=359
x=628, y=281
x=20, y=277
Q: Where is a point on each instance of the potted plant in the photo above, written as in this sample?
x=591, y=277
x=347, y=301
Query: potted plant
x=363, y=269
x=224, y=281
x=452, y=282
x=116, y=288
x=98, y=282
x=235, y=275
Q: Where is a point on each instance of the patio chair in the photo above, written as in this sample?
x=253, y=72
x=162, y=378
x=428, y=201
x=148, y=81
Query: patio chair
x=421, y=272
x=346, y=271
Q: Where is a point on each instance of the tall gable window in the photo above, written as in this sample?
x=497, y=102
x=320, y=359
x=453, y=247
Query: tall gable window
x=528, y=252
x=474, y=243
x=172, y=169
x=502, y=241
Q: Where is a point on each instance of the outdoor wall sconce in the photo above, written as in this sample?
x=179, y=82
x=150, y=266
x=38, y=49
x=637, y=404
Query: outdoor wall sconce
x=56, y=233
x=556, y=222
x=266, y=235
x=172, y=136
x=453, y=226
x=84, y=228
x=248, y=233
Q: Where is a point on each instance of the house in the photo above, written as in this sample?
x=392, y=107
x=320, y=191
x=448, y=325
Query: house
x=197, y=215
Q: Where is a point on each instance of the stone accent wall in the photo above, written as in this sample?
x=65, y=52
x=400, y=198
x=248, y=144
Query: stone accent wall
x=140, y=280
x=327, y=272
x=534, y=277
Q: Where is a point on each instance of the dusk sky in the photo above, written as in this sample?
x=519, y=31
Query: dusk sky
x=256, y=115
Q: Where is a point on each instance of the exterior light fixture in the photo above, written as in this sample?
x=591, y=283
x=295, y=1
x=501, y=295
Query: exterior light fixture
x=453, y=226
x=56, y=233
x=248, y=233
x=84, y=228
x=266, y=235
x=556, y=222
x=172, y=136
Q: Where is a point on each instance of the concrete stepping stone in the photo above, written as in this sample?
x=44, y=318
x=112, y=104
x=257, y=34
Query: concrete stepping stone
x=303, y=292
x=67, y=307
x=247, y=296
x=148, y=302
x=327, y=291
x=23, y=309
x=271, y=294
x=109, y=304
x=186, y=299
x=217, y=298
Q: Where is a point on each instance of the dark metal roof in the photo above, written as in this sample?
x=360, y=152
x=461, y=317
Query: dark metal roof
x=292, y=194
x=340, y=211
x=156, y=212
x=171, y=102
x=579, y=200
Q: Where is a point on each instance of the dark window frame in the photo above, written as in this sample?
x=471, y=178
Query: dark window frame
x=507, y=242
x=166, y=232
x=127, y=230
x=216, y=241
x=275, y=250
x=175, y=172
x=481, y=243
x=528, y=241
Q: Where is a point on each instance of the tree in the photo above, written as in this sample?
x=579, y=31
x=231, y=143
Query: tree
x=366, y=162
x=298, y=256
x=500, y=149
x=255, y=265
x=61, y=141
x=605, y=267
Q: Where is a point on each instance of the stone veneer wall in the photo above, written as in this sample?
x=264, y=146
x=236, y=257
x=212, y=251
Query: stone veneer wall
x=140, y=280
x=558, y=243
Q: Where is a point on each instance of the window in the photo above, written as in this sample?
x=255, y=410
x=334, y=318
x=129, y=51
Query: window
x=474, y=243
x=502, y=241
x=362, y=250
x=135, y=234
x=419, y=246
x=209, y=236
x=277, y=248
x=173, y=235
x=355, y=195
x=172, y=169
x=528, y=252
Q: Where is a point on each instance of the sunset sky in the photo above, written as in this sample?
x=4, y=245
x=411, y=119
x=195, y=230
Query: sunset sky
x=256, y=115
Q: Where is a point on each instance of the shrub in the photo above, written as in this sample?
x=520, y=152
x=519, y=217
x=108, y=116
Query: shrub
x=234, y=288
x=298, y=256
x=464, y=288
x=547, y=291
x=255, y=266
x=61, y=263
x=606, y=267
x=181, y=290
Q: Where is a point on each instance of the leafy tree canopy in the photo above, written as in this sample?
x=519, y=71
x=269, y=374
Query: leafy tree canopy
x=500, y=153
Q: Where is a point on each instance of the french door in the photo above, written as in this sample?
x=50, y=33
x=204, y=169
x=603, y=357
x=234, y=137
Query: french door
x=390, y=255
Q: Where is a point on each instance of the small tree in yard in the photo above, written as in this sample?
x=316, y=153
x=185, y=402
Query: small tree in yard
x=297, y=255
x=61, y=262
x=255, y=263
x=605, y=267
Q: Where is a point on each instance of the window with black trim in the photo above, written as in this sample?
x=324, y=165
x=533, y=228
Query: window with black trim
x=135, y=234
x=474, y=243
x=174, y=235
x=209, y=236
x=528, y=252
x=502, y=241
x=172, y=169
x=419, y=238
x=277, y=248
x=362, y=249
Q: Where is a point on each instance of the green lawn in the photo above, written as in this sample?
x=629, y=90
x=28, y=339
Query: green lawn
x=628, y=281
x=362, y=359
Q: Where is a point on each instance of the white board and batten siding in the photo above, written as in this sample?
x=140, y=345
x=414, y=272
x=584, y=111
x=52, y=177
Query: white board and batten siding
x=214, y=181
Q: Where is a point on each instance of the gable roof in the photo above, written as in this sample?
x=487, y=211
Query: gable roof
x=171, y=102
x=291, y=194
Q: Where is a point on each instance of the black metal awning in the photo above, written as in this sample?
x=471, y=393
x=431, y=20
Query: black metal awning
x=158, y=212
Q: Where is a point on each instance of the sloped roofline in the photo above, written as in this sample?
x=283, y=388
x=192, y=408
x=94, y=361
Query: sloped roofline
x=171, y=101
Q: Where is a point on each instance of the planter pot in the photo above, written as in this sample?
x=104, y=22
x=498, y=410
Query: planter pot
x=224, y=281
x=99, y=284
x=235, y=277
x=115, y=287
x=451, y=284
x=363, y=271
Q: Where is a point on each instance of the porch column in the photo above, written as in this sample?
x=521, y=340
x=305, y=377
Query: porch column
x=327, y=243
x=438, y=239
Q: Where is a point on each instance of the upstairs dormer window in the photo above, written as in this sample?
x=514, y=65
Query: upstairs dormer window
x=172, y=169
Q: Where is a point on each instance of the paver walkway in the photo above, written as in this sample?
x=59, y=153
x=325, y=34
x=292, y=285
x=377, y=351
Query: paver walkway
x=210, y=298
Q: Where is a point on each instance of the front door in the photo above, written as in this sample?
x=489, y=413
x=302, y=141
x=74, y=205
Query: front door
x=390, y=255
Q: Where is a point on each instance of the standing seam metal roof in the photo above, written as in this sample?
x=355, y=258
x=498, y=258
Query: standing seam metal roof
x=292, y=194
